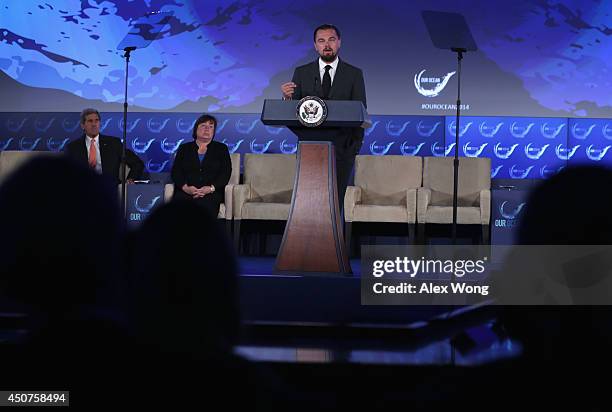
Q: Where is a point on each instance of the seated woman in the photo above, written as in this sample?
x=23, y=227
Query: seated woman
x=202, y=168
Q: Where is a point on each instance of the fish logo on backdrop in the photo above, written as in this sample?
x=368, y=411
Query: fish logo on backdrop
x=535, y=153
x=473, y=151
x=56, y=145
x=16, y=125
x=565, y=153
x=141, y=147
x=156, y=125
x=550, y=132
x=380, y=150
x=41, y=126
x=495, y=172
x=518, y=173
x=156, y=167
x=28, y=143
x=581, y=133
x=169, y=147
x=232, y=147
x=441, y=151
x=438, y=83
x=145, y=208
x=131, y=125
x=371, y=128
x=288, y=148
x=596, y=154
x=509, y=214
x=504, y=152
x=70, y=125
x=4, y=145
x=488, y=131
x=185, y=126
x=452, y=128
x=244, y=128
x=410, y=150
x=607, y=131
x=424, y=130
x=260, y=148
x=520, y=131
x=394, y=130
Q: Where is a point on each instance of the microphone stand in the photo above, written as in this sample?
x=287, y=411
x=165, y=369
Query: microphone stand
x=459, y=52
x=127, y=51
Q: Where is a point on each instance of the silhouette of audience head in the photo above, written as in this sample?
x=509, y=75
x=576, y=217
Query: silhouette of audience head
x=573, y=207
x=61, y=240
x=184, y=281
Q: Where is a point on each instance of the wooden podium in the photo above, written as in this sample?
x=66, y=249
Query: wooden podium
x=313, y=241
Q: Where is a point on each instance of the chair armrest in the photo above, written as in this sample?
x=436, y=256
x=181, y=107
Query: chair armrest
x=411, y=205
x=241, y=194
x=485, y=206
x=229, y=191
x=351, y=198
x=168, y=192
x=423, y=199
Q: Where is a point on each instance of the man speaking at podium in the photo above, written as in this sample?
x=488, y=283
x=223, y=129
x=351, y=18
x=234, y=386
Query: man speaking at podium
x=332, y=79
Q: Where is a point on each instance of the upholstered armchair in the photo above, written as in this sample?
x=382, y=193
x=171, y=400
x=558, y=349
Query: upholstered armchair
x=266, y=191
x=385, y=190
x=435, y=198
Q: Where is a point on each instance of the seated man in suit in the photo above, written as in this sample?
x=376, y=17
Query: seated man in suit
x=104, y=155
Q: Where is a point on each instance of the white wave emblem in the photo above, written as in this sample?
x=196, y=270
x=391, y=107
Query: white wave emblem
x=440, y=85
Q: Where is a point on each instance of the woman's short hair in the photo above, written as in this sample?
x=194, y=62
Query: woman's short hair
x=205, y=118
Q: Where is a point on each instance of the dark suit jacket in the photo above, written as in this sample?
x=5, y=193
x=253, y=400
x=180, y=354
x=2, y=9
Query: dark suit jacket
x=215, y=169
x=110, y=153
x=348, y=84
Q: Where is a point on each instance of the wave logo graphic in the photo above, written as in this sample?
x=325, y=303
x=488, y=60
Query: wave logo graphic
x=495, y=171
x=131, y=125
x=546, y=172
x=145, y=208
x=488, y=131
x=503, y=152
x=410, y=150
x=43, y=127
x=438, y=83
x=425, y=130
x=394, y=130
x=70, y=125
x=141, y=147
x=16, y=125
x=518, y=173
x=56, y=146
x=288, y=148
x=380, y=150
x=564, y=153
x=275, y=130
x=441, y=151
x=28, y=143
x=509, y=212
x=473, y=151
x=260, y=148
x=452, y=128
x=243, y=127
x=105, y=123
x=156, y=167
x=155, y=125
x=370, y=129
x=580, y=132
x=534, y=153
x=596, y=154
x=520, y=131
x=232, y=147
x=551, y=132
x=5, y=145
x=607, y=131
x=185, y=126
x=169, y=147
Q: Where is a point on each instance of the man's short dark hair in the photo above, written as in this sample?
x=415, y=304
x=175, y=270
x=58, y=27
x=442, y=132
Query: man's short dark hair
x=325, y=27
x=87, y=112
x=205, y=118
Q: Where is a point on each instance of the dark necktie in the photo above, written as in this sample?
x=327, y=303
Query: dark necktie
x=326, y=82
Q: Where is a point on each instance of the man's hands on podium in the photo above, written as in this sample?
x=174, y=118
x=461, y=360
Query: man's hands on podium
x=287, y=89
x=195, y=192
